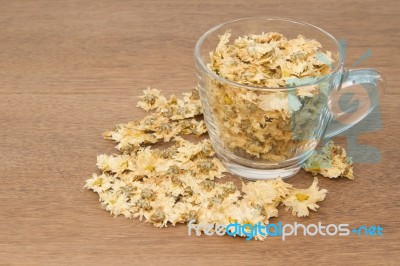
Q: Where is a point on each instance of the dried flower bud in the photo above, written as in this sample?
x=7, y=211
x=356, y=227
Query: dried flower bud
x=158, y=216
x=147, y=194
x=208, y=185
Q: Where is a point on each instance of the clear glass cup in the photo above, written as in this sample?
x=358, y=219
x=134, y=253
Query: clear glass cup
x=263, y=143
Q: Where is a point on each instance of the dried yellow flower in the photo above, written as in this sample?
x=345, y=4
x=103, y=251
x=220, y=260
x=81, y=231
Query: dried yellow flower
x=151, y=99
x=301, y=200
x=332, y=162
x=263, y=192
x=99, y=183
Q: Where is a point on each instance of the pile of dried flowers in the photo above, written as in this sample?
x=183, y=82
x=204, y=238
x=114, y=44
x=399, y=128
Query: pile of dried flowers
x=180, y=183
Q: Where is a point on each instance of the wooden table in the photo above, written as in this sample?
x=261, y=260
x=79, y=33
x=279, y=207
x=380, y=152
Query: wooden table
x=70, y=70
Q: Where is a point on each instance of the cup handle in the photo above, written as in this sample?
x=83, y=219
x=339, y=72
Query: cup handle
x=355, y=99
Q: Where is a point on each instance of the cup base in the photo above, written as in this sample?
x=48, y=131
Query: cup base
x=260, y=174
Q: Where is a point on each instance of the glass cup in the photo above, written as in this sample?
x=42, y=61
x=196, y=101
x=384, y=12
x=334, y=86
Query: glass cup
x=264, y=133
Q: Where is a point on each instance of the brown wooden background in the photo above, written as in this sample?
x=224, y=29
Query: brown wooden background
x=70, y=70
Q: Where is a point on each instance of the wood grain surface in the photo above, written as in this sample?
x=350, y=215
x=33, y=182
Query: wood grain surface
x=70, y=70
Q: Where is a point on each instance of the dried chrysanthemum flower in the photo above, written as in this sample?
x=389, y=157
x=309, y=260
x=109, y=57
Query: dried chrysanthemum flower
x=299, y=201
x=209, y=169
x=188, y=151
x=265, y=195
x=151, y=99
x=177, y=109
x=332, y=162
x=244, y=214
x=114, y=163
x=99, y=183
x=115, y=203
x=263, y=192
x=128, y=137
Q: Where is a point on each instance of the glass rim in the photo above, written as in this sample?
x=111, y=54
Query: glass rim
x=214, y=75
